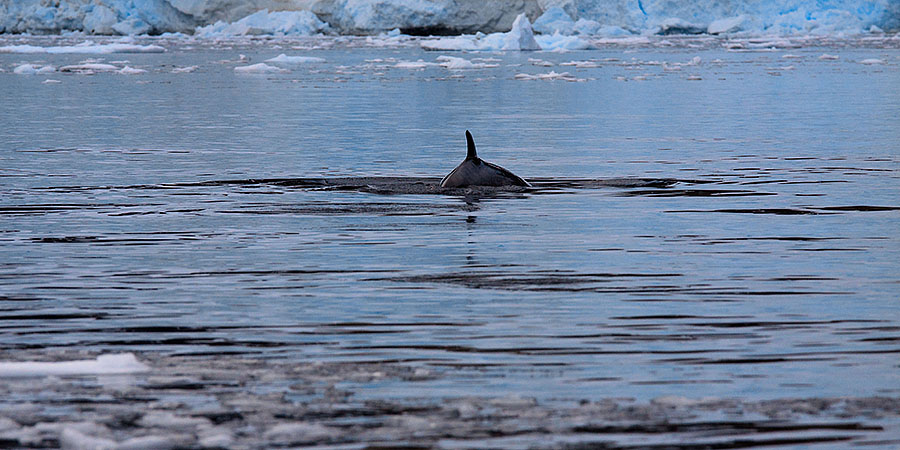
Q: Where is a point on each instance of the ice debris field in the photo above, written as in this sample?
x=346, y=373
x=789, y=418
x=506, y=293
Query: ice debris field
x=448, y=17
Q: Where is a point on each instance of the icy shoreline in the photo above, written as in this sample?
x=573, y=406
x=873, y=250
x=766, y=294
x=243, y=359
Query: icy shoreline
x=448, y=17
x=240, y=402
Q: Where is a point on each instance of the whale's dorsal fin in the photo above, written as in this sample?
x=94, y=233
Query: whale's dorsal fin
x=470, y=144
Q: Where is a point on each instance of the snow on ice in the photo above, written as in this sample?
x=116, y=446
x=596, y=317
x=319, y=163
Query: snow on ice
x=122, y=363
x=261, y=68
x=85, y=48
x=285, y=59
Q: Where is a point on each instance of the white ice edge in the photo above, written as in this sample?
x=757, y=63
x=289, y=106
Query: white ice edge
x=111, y=364
x=84, y=48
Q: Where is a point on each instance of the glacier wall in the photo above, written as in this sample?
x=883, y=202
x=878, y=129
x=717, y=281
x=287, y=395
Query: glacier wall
x=460, y=16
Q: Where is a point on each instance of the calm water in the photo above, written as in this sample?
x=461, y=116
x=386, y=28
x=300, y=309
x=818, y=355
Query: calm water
x=757, y=257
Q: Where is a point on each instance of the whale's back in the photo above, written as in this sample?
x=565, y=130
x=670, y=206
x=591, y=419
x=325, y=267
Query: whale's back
x=477, y=172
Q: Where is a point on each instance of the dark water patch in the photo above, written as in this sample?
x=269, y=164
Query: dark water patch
x=693, y=193
x=673, y=317
x=383, y=209
x=56, y=316
x=775, y=211
x=97, y=240
x=860, y=208
x=769, y=324
x=505, y=280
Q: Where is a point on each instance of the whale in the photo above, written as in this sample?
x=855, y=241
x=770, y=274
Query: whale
x=474, y=171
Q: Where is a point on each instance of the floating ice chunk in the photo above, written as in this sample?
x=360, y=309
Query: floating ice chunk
x=540, y=62
x=84, y=47
x=727, y=25
x=554, y=20
x=454, y=63
x=33, y=69
x=565, y=76
x=72, y=439
x=147, y=443
x=128, y=70
x=281, y=23
x=581, y=64
x=285, y=59
x=827, y=57
x=260, y=68
x=872, y=61
x=300, y=433
x=165, y=419
x=49, y=81
x=187, y=69
x=104, y=365
x=630, y=40
x=414, y=65
x=88, y=68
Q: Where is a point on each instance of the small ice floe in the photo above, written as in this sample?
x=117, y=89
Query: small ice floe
x=260, y=68
x=187, y=69
x=128, y=70
x=75, y=437
x=791, y=56
x=285, y=59
x=84, y=47
x=89, y=68
x=414, y=65
x=872, y=61
x=33, y=69
x=51, y=81
x=540, y=62
x=299, y=433
x=121, y=363
x=827, y=57
x=581, y=64
x=694, y=78
x=454, y=63
x=551, y=76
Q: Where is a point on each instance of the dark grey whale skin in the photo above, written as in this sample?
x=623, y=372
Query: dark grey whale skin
x=474, y=171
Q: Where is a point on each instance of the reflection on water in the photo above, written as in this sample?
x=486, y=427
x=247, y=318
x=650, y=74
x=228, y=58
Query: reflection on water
x=734, y=237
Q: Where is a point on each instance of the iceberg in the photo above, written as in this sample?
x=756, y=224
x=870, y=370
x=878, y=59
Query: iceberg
x=282, y=23
x=520, y=37
x=113, y=364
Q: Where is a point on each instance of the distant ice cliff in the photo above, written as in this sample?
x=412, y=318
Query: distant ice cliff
x=568, y=17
